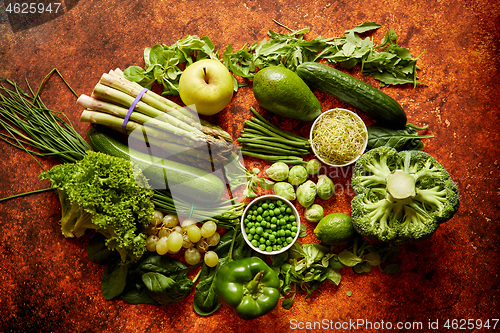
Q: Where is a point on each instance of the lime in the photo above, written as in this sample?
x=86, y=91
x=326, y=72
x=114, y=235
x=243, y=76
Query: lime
x=334, y=229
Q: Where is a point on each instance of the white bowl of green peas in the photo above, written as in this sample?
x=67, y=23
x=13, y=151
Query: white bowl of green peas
x=270, y=224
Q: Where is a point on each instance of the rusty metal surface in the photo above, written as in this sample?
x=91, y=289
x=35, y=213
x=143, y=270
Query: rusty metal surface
x=47, y=284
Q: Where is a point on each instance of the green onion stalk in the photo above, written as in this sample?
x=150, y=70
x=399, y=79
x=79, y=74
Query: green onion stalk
x=264, y=140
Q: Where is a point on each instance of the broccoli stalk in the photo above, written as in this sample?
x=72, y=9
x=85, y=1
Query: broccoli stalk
x=401, y=197
x=108, y=195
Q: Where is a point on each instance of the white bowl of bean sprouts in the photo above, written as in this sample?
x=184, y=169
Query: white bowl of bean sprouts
x=338, y=137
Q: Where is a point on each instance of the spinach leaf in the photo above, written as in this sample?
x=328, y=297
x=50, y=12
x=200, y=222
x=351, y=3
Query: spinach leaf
x=167, y=290
x=205, y=300
x=114, y=279
x=399, y=139
x=156, y=280
x=98, y=252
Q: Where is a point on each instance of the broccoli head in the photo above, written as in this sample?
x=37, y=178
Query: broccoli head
x=106, y=194
x=401, y=197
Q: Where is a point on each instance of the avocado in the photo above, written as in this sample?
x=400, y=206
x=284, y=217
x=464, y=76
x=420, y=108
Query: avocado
x=282, y=92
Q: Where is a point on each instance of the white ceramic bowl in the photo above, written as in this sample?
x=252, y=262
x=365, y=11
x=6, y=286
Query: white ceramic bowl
x=264, y=197
x=319, y=156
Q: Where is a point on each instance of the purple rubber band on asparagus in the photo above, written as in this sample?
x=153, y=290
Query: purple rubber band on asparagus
x=131, y=109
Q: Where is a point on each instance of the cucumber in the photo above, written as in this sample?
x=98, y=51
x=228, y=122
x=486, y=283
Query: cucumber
x=193, y=185
x=350, y=90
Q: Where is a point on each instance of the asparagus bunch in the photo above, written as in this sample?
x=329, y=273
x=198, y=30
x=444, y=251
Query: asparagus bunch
x=167, y=125
x=262, y=139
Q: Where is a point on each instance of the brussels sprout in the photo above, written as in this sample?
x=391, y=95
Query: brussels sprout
x=285, y=190
x=313, y=213
x=313, y=166
x=325, y=187
x=278, y=171
x=306, y=193
x=297, y=175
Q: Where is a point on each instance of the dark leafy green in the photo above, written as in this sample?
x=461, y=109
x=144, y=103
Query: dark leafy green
x=399, y=139
x=154, y=279
x=114, y=279
x=97, y=250
x=167, y=290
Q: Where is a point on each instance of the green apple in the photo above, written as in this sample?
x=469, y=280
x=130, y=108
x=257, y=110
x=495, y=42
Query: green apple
x=208, y=85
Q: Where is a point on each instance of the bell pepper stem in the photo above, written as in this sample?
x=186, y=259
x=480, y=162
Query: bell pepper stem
x=253, y=286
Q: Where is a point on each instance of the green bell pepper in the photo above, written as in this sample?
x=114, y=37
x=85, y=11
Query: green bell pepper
x=249, y=286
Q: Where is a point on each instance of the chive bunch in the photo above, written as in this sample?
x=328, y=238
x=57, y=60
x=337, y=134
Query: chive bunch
x=263, y=140
x=27, y=124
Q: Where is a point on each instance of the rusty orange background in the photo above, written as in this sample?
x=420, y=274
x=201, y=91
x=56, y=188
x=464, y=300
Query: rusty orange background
x=47, y=284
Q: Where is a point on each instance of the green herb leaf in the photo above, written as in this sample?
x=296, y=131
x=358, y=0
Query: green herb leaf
x=349, y=259
x=334, y=276
x=113, y=280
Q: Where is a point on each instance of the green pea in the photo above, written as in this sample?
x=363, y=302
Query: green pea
x=250, y=237
x=269, y=248
x=293, y=229
x=268, y=242
x=259, y=230
x=288, y=210
x=291, y=218
x=255, y=243
x=265, y=205
x=289, y=240
x=262, y=240
x=262, y=247
x=251, y=231
x=259, y=218
x=274, y=226
x=265, y=213
x=260, y=210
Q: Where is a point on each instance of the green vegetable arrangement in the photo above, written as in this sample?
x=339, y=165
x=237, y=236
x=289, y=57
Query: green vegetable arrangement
x=400, y=196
